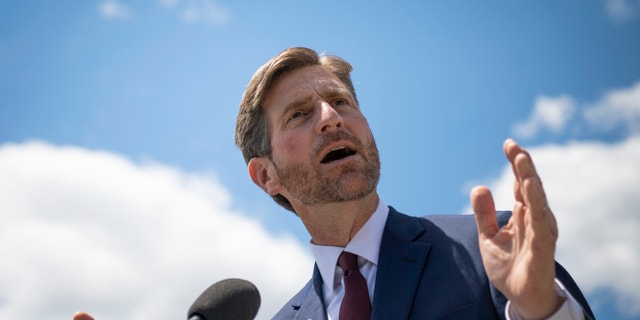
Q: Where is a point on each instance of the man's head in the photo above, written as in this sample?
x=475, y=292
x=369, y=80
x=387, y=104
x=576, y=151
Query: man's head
x=300, y=84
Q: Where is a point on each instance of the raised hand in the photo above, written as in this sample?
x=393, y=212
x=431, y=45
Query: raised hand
x=519, y=257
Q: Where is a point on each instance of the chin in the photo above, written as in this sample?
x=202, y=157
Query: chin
x=356, y=190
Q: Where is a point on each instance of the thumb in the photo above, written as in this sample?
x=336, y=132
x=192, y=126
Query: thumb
x=485, y=211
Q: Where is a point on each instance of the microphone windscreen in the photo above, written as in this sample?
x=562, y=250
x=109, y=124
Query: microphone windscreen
x=227, y=299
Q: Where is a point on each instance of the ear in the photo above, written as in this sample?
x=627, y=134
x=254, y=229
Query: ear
x=262, y=173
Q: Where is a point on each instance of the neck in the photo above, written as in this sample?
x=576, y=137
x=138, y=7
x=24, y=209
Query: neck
x=335, y=224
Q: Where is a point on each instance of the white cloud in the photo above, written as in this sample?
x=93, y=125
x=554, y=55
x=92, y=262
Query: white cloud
x=550, y=113
x=112, y=9
x=91, y=230
x=617, y=109
x=622, y=10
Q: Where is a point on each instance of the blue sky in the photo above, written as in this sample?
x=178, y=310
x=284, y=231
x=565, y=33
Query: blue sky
x=150, y=89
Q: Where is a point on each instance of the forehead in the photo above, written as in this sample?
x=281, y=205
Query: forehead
x=299, y=84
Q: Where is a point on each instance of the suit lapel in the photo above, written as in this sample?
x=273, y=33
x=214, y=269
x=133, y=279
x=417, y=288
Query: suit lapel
x=311, y=305
x=401, y=256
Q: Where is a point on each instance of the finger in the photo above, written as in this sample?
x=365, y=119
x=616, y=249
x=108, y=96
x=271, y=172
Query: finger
x=485, y=211
x=527, y=189
x=533, y=192
x=81, y=315
x=511, y=150
x=517, y=190
x=523, y=169
x=519, y=222
x=535, y=199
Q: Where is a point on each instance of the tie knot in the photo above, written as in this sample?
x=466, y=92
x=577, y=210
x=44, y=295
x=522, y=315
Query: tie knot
x=348, y=261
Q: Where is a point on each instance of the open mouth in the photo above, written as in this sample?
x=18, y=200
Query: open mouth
x=337, y=154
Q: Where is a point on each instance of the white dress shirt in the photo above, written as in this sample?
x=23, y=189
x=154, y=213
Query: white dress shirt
x=366, y=244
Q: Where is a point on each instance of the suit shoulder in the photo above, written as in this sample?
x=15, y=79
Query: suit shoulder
x=461, y=222
x=458, y=227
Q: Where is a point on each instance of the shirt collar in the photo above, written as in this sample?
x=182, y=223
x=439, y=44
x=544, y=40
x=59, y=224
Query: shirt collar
x=366, y=244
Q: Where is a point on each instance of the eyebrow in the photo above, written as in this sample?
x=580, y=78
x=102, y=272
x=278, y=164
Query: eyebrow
x=295, y=104
x=335, y=91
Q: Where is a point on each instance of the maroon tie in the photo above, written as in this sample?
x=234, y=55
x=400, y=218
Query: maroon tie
x=355, y=304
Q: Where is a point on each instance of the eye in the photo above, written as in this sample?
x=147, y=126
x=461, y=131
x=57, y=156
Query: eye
x=340, y=102
x=296, y=115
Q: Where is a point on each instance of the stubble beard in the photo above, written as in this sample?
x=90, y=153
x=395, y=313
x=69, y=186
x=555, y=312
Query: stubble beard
x=309, y=187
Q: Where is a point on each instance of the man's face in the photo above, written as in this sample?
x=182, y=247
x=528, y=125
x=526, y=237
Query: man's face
x=322, y=148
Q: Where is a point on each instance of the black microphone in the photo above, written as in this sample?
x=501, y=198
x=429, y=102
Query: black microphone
x=227, y=299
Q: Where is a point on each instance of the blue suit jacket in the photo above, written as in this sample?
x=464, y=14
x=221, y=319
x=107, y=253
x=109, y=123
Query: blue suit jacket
x=428, y=268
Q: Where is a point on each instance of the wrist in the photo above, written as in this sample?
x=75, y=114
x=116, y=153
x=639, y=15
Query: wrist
x=544, y=308
x=543, y=313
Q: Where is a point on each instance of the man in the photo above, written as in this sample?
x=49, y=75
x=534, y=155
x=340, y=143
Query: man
x=309, y=146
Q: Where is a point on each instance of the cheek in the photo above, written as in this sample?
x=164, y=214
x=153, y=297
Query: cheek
x=289, y=147
x=361, y=127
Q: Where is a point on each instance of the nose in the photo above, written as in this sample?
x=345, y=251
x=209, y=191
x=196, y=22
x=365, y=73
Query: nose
x=330, y=119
